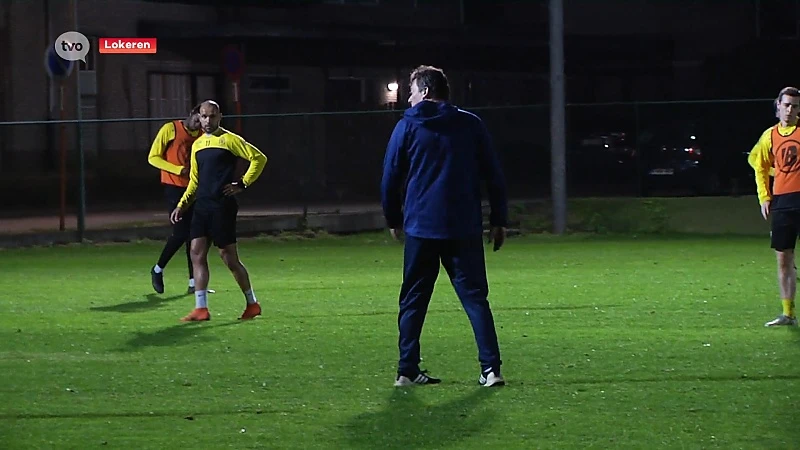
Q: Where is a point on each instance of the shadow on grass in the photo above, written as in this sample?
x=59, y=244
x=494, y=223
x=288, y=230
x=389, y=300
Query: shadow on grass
x=495, y=309
x=181, y=334
x=187, y=414
x=151, y=301
x=406, y=422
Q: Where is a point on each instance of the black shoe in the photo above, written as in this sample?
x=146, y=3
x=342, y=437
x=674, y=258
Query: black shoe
x=404, y=379
x=158, y=280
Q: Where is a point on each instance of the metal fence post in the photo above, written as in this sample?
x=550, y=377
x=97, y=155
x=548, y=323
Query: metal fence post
x=79, y=133
x=558, y=169
x=638, y=142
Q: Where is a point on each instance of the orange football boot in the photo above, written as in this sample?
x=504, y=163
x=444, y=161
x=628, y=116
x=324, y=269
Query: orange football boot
x=197, y=314
x=251, y=311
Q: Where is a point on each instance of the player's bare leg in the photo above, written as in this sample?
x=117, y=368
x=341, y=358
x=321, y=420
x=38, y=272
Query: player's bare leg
x=787, y=284
x=199, y=254
x=230, y=256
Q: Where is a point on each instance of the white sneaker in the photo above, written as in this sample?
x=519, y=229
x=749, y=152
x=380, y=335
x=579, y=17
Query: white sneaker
x=491, y=378
x=411, y=380
x=782, y=320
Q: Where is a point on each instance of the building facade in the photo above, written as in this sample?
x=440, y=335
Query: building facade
x=304, y=58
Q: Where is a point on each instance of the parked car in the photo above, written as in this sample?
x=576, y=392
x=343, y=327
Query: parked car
x=601, y=160
x=690, y=158
x=677, y=158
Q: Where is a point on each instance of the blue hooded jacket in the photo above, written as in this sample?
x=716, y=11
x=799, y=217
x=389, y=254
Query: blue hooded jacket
x=436, y=160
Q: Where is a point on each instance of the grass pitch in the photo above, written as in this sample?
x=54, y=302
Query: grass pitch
x=607, y=342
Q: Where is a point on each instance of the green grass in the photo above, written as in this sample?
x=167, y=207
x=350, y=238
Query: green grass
x=695, y=215
x=608, y=342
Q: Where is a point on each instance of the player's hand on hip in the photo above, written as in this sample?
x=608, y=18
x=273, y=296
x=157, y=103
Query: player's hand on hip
x=397, y=234
x=176, y=215
x=232, y=189
x=765, y=209
x=185, y=171
x=498, y=236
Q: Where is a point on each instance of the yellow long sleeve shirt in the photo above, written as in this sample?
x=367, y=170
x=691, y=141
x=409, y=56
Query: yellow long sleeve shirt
x=762, y=161
x=213, y=163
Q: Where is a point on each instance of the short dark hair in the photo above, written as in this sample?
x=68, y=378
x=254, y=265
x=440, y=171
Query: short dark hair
x=432, y=78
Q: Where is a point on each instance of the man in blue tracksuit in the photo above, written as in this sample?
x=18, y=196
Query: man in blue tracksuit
x=435, y=162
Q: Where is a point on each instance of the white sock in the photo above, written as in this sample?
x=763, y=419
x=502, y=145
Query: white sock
x=201, y=299
x=157, y=269
x=191, y=282
x=250, y=296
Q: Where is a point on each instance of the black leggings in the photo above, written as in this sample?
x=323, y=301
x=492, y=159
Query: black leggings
x=180, y=230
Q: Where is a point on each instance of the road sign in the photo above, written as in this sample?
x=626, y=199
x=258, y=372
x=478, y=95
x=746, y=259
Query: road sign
x=56, y=66
x=233, y=61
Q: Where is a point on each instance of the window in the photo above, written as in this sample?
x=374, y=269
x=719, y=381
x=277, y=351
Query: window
x=269, y=83
x=91, y=57
x=173, y=95
x=87, y=72
x=170, y=94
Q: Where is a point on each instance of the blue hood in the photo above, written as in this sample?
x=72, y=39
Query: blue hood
x=431, y=114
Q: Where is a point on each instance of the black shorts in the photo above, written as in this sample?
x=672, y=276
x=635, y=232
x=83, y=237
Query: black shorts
x=215, y=223
x=172, y=195
x=785, y=226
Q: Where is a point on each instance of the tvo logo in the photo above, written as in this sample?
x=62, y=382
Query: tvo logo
x=72, y=46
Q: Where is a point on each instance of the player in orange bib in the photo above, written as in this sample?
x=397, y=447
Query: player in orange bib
x=171, y=153
x=778, y=151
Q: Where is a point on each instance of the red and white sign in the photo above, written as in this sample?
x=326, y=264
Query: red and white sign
x=127, y=45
